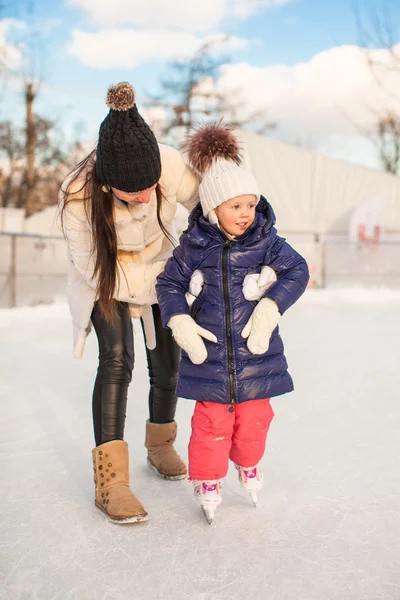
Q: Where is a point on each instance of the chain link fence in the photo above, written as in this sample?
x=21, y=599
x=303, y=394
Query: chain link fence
x=33, y=268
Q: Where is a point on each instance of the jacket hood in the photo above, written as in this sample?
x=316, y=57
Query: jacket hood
x=201, y=229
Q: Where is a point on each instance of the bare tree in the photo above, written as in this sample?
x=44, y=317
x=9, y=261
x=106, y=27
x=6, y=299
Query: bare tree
x=182, y=88
x=388, y=142
x=195, y=98
x=12, y=149
x=35, y=163
x=51, y=163
x=385, y=136
x=377, y=29
x=30, y=173
x=30, y=75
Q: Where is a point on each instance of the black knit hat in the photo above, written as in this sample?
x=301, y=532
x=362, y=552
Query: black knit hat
x=128, y=156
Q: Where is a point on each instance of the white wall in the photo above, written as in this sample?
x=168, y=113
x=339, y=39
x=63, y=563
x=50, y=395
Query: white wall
x=11, y=220
x=44, y=223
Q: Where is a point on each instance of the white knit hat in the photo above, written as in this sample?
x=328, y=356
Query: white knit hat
x=214, y=152
x=225, y=180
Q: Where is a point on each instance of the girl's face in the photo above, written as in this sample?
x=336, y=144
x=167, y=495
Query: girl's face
x=236, y=215
x=142, y=197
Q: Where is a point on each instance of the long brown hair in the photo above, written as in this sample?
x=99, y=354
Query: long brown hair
x=99, y=208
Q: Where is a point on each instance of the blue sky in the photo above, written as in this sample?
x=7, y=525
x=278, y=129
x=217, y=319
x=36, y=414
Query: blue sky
x=282, y=47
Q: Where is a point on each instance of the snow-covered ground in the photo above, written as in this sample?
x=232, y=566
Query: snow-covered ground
x=328, y=524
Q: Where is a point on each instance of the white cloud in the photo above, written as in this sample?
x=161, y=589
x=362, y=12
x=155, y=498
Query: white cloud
x=171, y=14
x=322, y=97
x=190, y=16
x=241, y=9
x=317, y=103
x=114, y=48
x=10, y=53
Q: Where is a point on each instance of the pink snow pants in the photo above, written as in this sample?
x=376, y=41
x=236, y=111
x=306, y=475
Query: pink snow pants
x=219, y=435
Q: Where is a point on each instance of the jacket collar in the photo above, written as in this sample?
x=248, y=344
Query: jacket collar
x=126, y=213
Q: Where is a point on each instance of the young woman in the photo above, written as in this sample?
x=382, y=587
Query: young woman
x=117, y=210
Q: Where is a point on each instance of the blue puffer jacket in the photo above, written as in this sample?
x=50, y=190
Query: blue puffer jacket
x=231, y=374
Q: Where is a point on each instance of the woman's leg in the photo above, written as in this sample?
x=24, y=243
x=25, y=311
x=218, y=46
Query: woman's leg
x=111, y=456
x=114, y=374
x=163, y=364
x=161, y=428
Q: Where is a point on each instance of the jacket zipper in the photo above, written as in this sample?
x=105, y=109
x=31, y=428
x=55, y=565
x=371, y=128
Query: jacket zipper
x=232, y=393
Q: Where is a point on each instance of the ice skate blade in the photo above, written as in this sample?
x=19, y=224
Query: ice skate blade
x=208, y=514
x=163, y=475
x=253, y=496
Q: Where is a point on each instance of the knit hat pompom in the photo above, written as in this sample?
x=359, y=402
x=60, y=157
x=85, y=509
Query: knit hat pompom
x=214, y=152
x=121, y=96
x=210, y=143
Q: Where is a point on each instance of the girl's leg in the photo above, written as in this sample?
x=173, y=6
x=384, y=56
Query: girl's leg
x=252, y=421
x=114, y=374
x=211, y=440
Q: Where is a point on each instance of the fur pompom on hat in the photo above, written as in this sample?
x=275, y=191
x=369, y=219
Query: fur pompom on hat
x=209, y=143
x=121, y=96
x=128, y=156
x=214, y=151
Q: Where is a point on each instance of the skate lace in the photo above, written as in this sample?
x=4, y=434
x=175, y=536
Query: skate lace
x=211, y=485
x=250, y=472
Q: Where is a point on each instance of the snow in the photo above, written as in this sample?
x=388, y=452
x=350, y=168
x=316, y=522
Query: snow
x=328, y=522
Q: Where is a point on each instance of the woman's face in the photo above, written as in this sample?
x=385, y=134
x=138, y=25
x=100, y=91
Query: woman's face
x=142, y=197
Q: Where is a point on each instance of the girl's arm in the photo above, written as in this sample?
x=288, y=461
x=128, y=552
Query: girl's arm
x=292, y=274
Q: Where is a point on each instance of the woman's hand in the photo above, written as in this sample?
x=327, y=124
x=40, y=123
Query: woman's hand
x=195, y=286
x=256, y=284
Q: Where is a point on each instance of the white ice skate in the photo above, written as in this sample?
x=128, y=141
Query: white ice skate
x=208, y=495
x=251, y=480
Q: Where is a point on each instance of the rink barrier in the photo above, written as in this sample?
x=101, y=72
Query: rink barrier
x=33, y=268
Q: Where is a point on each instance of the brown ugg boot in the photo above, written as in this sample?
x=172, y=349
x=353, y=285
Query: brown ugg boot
x=111, y=476
x=161, y=455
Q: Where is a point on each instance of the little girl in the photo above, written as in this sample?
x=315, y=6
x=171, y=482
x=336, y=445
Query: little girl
x=232, y=375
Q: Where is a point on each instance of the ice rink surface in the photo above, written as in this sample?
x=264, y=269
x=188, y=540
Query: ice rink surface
x=328, y=522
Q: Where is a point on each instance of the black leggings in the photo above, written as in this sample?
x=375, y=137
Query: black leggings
x=114, y=374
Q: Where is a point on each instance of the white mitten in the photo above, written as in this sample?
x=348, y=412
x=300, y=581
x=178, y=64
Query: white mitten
x=188, y=336
x=260, y=326
x=189, y=299
x=256, y=284
x=195, y=286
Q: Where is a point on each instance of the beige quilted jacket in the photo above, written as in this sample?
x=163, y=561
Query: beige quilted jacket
x=142, y=247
